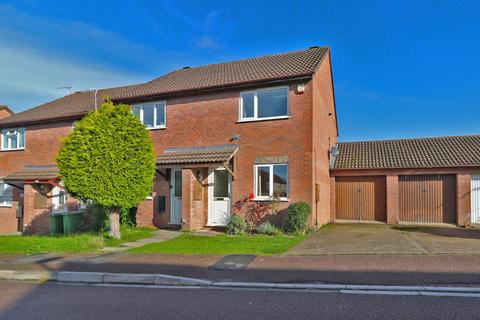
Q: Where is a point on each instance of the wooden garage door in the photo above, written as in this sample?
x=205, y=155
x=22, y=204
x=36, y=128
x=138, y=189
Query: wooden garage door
x=360, y=198
x=427, y=198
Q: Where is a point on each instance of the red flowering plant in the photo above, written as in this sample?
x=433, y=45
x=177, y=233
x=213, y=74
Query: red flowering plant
x=253, y=211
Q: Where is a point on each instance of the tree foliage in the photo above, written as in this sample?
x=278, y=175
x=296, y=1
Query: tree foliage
x=108, y=158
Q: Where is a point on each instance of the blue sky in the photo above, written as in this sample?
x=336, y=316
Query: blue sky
x=402, y=68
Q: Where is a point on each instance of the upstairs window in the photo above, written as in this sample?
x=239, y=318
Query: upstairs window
x=6, y=195
x=152, y=115
x=13, y=139
x=264, y=104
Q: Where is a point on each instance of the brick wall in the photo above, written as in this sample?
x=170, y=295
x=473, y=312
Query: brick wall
x=324, y=136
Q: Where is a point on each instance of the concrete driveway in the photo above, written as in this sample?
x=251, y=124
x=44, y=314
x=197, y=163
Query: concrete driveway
x=386, y=239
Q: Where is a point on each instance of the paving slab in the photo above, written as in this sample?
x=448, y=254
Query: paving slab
x=444, y=240
x=358, y=239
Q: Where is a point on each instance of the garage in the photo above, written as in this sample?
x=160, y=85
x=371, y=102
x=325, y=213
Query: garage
x=475, y=193
x=360, y=198
x=427, y=198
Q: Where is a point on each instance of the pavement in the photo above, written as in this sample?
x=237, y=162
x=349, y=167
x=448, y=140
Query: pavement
x=360, y=239
x=158, y=236
x=50, y=301
x=361, y=255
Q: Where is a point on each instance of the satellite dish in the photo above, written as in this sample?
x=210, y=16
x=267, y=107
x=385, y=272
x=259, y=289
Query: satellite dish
x=334, y=151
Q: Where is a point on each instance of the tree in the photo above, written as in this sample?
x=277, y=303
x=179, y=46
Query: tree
x=108, y=158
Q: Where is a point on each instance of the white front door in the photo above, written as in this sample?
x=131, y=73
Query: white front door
x=176, y=203
x=475, y=194
x=219, y=190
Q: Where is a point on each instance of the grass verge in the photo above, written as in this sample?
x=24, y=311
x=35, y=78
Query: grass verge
x=222, y=244
x=86, y=242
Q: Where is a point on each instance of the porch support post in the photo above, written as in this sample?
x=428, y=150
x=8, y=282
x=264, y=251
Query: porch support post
x=192, y=209
x=392, y=207
x=463, y=199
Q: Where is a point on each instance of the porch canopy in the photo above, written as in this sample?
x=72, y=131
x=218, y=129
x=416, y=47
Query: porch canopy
x=195, y=157
x=47, y=174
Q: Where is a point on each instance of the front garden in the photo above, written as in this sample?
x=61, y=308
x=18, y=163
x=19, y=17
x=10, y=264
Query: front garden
x=84, y=242
x=246, y=233
x=190, y=243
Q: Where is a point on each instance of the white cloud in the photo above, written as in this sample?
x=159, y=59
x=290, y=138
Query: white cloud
x=39, y=55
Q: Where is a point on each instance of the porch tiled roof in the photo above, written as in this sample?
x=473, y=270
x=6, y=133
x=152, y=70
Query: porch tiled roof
x=197, y=155
x=460, y=151
x=46, y=172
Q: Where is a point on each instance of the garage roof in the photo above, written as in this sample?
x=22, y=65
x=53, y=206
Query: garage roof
x=459, y=151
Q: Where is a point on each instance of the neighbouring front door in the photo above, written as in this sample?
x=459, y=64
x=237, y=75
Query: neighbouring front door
x=176, y=206
x=219, y=189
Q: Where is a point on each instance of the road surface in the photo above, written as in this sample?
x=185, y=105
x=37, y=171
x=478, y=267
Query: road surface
x=59, y=301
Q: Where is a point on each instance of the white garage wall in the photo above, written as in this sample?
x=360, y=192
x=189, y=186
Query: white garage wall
x=475, y=199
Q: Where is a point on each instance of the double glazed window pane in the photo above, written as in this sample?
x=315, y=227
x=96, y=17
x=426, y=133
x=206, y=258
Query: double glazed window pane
x=220, y=184
x=280, y=178
x=148, y=115
x=248, y=101
x=160, y=111
x=178, y=184
x=272, y=103
x=263, y=181
x=6, y=193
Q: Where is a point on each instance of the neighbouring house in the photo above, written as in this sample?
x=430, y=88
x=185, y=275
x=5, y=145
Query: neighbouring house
x=261, y=126
x=5, y=111
x=265, y=127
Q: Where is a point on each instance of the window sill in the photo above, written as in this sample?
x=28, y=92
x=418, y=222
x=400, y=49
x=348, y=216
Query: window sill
x=11, y=150
x=6, y=206
x=264, y=119
x=271, y=200
x=156, y=128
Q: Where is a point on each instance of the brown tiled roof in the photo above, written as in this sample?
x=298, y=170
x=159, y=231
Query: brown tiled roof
x=274, y=67
x=33, y=173
x=461, y=151
x=73, y=105
x=255, y=70
x=197, y=155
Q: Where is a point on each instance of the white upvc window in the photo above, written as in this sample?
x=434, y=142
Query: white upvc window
x=6, y=194
x=153, y=115
x=271, y=181
x=264, y=104
x=13, y=139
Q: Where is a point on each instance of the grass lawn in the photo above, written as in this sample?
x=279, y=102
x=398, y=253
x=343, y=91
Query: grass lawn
x=87, y=242
x=222, y=244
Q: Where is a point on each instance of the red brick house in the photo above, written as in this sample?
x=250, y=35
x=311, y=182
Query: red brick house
x=263, y=125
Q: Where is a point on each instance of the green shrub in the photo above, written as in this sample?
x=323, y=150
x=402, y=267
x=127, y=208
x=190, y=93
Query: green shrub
x=268, y=229
x=298, y=213
x=237, y=226
x=128, y=217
